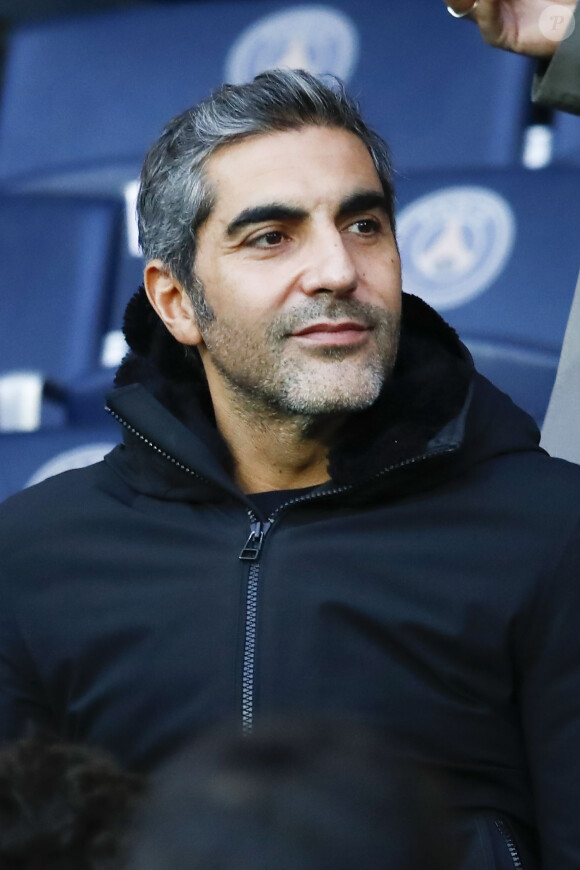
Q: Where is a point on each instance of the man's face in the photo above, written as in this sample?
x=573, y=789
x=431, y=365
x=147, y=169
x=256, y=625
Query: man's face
x=299, y=264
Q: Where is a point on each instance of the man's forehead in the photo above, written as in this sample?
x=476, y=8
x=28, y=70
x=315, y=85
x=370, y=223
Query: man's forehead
x=290, y=167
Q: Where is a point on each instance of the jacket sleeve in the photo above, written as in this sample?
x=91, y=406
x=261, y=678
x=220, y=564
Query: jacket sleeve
x=561, y=428
x=557, y=82
x=550, y=707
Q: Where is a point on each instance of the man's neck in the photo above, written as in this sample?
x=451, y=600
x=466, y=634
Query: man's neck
x=275, y=452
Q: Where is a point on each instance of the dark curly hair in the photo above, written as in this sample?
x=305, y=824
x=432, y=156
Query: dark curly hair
x=63, y=806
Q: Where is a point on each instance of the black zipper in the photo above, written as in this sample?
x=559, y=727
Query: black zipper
x=251, y=552
x=157, y=449
x=361, y=484
x=253, y=546
x=510, y=843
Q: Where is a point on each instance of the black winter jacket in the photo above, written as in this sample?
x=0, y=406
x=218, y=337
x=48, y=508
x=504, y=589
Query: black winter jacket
x=432, y=586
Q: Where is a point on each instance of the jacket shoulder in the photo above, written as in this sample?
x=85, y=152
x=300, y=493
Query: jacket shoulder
x=50, y=508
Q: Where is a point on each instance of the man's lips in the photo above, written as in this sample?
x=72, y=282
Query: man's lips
x=342, y=332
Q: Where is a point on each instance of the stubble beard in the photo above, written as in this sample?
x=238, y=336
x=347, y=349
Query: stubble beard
x=267, y=377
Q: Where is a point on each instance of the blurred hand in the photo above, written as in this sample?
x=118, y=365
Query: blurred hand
x=515, y=25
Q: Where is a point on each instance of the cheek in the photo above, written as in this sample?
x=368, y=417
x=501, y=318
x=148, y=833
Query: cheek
x=392, y=273
x=381, y=283
x=249, y=292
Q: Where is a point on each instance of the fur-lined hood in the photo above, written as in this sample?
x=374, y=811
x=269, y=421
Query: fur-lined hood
x=423, y=406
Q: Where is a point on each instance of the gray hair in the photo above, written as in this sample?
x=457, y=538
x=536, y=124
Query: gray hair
x=175, y=198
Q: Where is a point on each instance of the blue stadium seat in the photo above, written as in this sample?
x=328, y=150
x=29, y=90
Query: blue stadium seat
x=97, y=89
x=58, y=255
x=28, y=458
x=496, y=252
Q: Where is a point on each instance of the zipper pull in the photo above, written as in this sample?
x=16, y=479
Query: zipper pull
x=253, y=545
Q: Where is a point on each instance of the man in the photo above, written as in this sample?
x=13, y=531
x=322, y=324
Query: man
x=319, y=507
x=551, y=33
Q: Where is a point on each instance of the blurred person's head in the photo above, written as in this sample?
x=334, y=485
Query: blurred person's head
x=292, y=797
x=63, y=807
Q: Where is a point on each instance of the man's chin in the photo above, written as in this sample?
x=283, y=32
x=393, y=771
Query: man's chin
x=347, y=395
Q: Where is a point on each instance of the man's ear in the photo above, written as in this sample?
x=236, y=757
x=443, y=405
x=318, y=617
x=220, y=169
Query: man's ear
x=171, y=302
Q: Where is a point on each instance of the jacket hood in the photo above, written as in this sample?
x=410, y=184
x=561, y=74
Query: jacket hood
x=434, y=402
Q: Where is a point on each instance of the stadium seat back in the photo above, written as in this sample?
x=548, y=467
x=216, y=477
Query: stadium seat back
x=85, y=96
x=496, y=252
x=58, y=256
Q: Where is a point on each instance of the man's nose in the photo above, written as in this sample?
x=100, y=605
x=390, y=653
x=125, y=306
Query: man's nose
x=331, y=268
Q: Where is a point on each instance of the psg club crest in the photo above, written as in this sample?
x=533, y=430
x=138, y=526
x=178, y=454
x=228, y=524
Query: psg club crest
x=319, y=39
x=454, y=243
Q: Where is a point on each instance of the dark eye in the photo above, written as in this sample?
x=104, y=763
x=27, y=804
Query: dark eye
x=365, y=226
x=268, y=240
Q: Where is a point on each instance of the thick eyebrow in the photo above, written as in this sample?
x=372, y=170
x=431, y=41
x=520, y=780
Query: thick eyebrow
x=271, y=211
x=364, y=200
